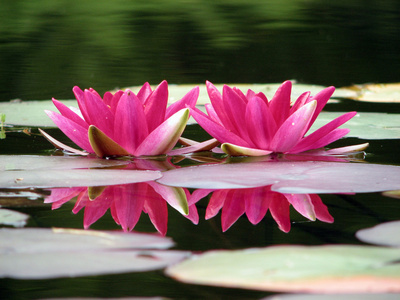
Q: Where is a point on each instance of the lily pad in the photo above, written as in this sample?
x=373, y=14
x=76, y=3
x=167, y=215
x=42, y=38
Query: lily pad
x=369, y=126
x=385, y=234
x=39, y=253
x=12, y=218
x=73, y=178
x=301, y=177
x=36, y=162
x=316, y=269
x=382, y=92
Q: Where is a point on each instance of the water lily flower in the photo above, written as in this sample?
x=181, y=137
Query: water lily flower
x=124, y=123
x=252, y=125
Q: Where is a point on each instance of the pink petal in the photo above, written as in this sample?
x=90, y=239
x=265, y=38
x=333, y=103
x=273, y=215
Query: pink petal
x=157, y=209
x=293, y=129
x=189, y=100
x=302, y=100
x=233, y=208
x=312, y=141
x=114, y=101
x=128, y=201
x=80, y=97
x=144, y=92
x=322, y=98
x=260, y=123
x=235, y=109
x=302, y=203
x=331, y=137
x=107, y=98
x=175, y=196
x=95, y=209
x=347, y=149
x=279, y=208
x=257, y=203
x=218, y=105
x=60, y=145
x=99, y=113
x=103, y=145
x=193, y=214
x=203, y=146
x=217, y=131
x=130, y=127
x=321, y=210
x=216, y=202
x=68, y=113
x=165, y=136
x=77, y=133
x=280, y=103
x=211, y=113
x=235, y=150
x=155, y=106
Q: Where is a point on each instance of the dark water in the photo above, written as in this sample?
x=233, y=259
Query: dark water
x=47, y=47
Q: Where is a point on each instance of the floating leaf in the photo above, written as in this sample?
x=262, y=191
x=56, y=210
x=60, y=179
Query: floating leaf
x=385, y=234
x=39, y=253
x=381, y=92
x=301, y=177
x=12, y=218
x=73, y=178
x=36, y=162
x=316, y=269
x=368, y=126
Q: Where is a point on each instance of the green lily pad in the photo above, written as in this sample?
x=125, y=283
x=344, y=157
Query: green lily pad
x=39, y=253
x=12, y=218
x=385, y=234
x=316, y=269
x=381, y=92
x=370, y=126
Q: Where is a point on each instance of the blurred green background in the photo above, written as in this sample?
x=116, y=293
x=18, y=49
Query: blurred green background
x=48, y=46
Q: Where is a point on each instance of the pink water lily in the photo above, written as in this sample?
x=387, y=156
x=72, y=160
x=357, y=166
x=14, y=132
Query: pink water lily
x=124, y=123
x=252, y=125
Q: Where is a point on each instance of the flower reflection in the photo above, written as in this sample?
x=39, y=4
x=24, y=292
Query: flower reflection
x=126, y=203
x=255, y=202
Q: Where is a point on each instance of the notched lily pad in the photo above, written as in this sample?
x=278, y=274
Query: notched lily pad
x=39, y=253
x=315, y=269
x=385, y=234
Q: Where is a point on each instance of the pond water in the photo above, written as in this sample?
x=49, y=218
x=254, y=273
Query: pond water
x=48, y=47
